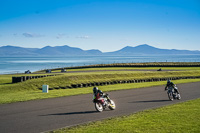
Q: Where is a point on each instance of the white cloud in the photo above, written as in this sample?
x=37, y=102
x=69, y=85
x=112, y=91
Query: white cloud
x=83, y=37
x=61, y=35
x=32, y=35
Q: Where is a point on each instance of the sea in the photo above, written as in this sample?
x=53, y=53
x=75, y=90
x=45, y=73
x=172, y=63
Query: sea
x=12, y=65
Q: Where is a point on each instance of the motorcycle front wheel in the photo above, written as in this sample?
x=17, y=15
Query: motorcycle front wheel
x=178, y=96
x=98, y=107
x=170, y=95
x=112, y=105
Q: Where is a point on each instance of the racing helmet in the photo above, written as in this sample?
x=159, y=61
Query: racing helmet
x=168, y=81
x=95, y=89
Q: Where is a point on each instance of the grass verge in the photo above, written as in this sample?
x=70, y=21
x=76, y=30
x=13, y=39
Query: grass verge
x=67, y=79
x=10, y=96
x=177, y=118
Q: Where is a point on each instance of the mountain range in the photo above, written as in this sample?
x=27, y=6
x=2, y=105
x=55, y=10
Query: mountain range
x=72, y=51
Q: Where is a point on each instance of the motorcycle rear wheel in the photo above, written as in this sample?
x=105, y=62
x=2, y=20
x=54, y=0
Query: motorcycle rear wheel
x=98, y=107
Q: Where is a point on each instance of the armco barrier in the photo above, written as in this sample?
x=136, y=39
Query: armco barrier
x=124, y=82
x=24, y=78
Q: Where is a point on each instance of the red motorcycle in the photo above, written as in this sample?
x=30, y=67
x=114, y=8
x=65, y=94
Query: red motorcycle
x=103, y=102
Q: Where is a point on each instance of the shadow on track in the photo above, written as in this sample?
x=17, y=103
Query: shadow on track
x=150, y=101
x=72, y=113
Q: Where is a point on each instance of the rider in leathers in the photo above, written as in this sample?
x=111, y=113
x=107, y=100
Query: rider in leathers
x=97, y=92
x=171, y=85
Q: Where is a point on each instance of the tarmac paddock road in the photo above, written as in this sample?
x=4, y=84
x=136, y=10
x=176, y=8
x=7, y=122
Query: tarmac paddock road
x=49, y=114
x=86, y=71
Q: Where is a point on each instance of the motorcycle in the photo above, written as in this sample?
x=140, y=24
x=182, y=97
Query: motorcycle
x=172, y=94
x=101, y=103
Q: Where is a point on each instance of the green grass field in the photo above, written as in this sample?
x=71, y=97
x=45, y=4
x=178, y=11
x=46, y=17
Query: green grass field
x=178, y=118
x=183, y=117
x=10, y=96
x=67, y=79
x=30, y=89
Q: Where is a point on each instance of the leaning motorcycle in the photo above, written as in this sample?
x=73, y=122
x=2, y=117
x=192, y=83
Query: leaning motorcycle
x=172, y=94
x=103, y=102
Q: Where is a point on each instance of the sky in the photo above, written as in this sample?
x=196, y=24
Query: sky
x=107, y=25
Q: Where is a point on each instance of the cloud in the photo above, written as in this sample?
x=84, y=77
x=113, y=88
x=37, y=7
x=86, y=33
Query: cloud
x=15, y=34
x=32, y=35
x=61, y=35
x=83, y=37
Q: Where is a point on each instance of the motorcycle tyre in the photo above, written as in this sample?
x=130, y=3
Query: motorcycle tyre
x=99, y=107
x=170, y=96
x=112, y=106
x=178, y=96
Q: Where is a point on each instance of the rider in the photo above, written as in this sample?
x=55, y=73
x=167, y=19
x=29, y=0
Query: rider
x=171, y=85
x=97, y=92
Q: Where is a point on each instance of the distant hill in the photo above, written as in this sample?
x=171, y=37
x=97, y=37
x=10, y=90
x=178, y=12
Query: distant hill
x=46, y=51
x=17, y=51
x=147, y=49
x=60, y=50
x=68, y=51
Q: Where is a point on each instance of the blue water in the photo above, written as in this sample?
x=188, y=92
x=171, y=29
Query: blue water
x=20, y=64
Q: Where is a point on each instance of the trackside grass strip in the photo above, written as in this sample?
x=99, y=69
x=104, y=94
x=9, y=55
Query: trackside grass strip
x=10, y=96
x=30, y=89
x=68, y=79
x=178, y=118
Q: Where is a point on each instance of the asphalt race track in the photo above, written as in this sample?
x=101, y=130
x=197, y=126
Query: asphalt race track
x=49, y=114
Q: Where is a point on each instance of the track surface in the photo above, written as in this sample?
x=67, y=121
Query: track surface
x=48, y=114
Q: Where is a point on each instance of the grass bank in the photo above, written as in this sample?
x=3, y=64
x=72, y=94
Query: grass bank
x=68, y=79
x=29, y=90
x=10, y=96
x=178, y=118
